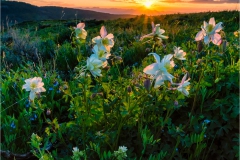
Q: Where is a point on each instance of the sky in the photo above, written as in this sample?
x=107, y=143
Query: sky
x=137, y=7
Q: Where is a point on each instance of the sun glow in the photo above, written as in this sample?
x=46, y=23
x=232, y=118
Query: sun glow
x=148, y=3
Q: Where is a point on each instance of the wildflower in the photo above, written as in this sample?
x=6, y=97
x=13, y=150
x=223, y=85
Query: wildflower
x=80, y=31
x=102, y=54
x=93, y=65
x=175, y=103
x=105, y=40
x=159, y=70
x=183, y=86
x=48, y=112
x=178, y=53
x=210, y=32
x=121, y=153
x=34, y=85
x=156, y=32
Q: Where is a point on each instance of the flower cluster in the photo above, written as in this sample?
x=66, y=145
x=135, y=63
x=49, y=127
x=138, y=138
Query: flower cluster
x=101, y=49
x=159, y=71
x=121, y=154
x=35, y=86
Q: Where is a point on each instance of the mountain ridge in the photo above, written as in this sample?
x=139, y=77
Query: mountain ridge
x=21, y=11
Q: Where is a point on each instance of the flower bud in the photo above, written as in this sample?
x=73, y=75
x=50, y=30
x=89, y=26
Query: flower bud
x=147, y=84
x=175, y=103
x=129, y=89
x=93, y=95
x=48, y=112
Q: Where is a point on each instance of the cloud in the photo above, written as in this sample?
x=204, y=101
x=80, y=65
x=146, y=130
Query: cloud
x=179, y=1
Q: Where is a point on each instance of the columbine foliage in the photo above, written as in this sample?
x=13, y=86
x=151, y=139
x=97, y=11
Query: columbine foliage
x=105, y=98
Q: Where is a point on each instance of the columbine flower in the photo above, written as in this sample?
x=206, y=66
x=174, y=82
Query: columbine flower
x=183, y=86
x=210, y=32
x=156, y=32
x=179, y=54
x=80, y=31
x=34, y=85
x=93, y=65
x=121, y=153
x=159, y=70
x=101, y=53
x=105, y=40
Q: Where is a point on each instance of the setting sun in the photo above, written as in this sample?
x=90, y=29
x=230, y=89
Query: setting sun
x=148, y=3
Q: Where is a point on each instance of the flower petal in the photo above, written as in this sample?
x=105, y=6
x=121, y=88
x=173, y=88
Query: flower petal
x=206, y=40
x=103, y=32
x=151, y=69
x=156, y=56
x=81, y=25
x=216, y=39
x=212, y=21
x=199, y=36
x=110, y=36
x=218, y=27
x=32, y=95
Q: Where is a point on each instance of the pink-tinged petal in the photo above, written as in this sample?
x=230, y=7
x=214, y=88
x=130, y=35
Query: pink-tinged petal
x=199, y=36
x=212, y=21
x=103, y=32
x=147, y=36
x=183, y=79
x=81, y=25
x=205, y=24
x=156, y=56
x=151, y=69
x=206, y=40
x=110, y=36
x=216, y=39
x=218, y=27
x=153, y=27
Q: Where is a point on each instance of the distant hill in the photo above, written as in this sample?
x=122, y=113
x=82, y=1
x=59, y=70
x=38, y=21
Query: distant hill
x=20, y=11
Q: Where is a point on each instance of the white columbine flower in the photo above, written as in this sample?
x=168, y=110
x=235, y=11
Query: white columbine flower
x=209, y=32
x=105, y=40
x=80, y=31
x=159, y=70
x=183, y=86
x=93, y=65
x=34, y=85
x=156, y=31
x=101, y=52
x=178, y=53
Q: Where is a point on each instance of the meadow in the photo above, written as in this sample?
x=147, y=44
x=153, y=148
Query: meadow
x=149, y=87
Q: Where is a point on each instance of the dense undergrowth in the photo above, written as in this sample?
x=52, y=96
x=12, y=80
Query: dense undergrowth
x=121, y=114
